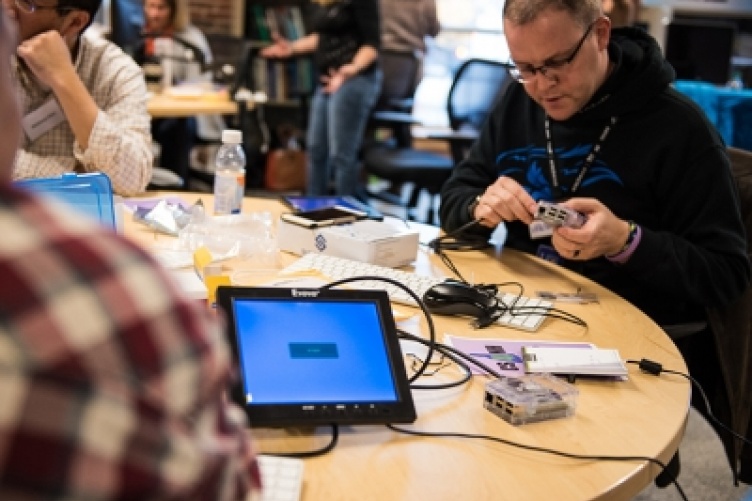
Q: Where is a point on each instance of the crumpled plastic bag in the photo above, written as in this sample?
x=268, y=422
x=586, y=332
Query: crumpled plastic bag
x=170, y=218
x=248, y=236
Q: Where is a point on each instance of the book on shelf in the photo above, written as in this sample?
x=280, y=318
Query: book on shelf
x=261, y=30
x=280, y=80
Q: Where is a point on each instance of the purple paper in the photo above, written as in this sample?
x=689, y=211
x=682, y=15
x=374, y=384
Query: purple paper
x=502, y=355
x=150, y=203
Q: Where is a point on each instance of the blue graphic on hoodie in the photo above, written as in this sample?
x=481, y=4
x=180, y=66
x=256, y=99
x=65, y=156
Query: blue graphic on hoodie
x=530, y=166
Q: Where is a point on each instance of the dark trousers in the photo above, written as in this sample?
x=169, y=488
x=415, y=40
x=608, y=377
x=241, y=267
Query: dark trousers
x=176, y=137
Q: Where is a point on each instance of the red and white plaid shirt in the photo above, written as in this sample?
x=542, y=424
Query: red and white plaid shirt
x=112, y=384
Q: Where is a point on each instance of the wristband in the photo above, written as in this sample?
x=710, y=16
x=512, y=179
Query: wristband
x=472, y=206
x=633, y=239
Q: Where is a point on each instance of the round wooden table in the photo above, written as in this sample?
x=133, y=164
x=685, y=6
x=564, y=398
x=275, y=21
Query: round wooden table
x=644, y=416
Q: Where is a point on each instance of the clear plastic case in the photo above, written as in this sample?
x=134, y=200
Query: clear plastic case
x=530, y=398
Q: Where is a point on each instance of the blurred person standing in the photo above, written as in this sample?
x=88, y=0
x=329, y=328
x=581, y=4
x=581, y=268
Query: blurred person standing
x=345, y=40
x=621, y=12
x=113, y=383
x=405, y=25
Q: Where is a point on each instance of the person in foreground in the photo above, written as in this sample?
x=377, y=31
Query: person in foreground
x=345, y=39
x=594, y=124
x=83, y=100
x=113, y=384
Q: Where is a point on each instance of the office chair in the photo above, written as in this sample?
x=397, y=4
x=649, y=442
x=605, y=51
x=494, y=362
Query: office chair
x=393, y=109
x=231, y=66
x=732, y=332
x=476, y=86
x=164, y=179
x=176, y=173
x=178, y=50
x=229, y=60
x=731, y=337
x=391, y=118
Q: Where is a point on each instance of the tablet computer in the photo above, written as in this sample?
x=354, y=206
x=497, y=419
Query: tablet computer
x=302, y=203
x=328, y=216
x=316, y=356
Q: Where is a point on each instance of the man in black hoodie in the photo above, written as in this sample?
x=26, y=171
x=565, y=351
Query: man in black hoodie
x=594, y=124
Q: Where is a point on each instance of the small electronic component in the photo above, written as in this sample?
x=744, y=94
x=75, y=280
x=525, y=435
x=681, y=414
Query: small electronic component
x=530, y=398
x=569, y=297
x=558, y=215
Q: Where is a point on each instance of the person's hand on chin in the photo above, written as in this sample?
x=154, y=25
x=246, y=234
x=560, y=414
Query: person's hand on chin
x=48, y=56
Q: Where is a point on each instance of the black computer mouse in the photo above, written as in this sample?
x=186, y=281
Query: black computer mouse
x=453, y=297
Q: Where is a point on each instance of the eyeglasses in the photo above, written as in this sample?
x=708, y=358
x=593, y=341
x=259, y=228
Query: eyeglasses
x=526, y=72
x=30, y=6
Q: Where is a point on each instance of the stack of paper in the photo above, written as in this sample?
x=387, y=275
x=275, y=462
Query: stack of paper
x=514, y=357
x=594, y=362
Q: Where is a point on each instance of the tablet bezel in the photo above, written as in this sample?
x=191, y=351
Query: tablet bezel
x=401, y=410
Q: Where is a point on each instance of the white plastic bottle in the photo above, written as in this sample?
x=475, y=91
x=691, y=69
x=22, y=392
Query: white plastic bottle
x=229, y=176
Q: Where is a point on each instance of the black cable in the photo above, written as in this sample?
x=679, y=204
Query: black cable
x=418, y=301
x=535, y=448
x=499, y=308
x=656, y=368
x=452, y=242
x=467, y=376
x=453, y=354
x=309, y=454
x=470, y=359
x=431, y=348
x=432, y=344
x=556, y=313
x=445, y=350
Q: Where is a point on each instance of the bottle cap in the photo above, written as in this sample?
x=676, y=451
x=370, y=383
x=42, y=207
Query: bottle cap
x=232, y=136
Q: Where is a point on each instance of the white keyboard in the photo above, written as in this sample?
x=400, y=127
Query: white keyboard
x=336, y=268
x=281, y=478
x=526, y=313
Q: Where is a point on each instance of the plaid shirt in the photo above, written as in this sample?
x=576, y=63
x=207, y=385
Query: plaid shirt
x=120, y=142
x=112, y=383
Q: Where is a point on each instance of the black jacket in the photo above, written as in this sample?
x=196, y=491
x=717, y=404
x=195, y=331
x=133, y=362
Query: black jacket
x=662, y=166
x=343, y=27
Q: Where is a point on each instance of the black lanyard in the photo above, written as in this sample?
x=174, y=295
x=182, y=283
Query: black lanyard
x=589, y=159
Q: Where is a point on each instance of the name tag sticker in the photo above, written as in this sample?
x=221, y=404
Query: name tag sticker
x=43, y=119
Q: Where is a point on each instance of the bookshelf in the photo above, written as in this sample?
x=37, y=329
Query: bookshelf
x=284, y=82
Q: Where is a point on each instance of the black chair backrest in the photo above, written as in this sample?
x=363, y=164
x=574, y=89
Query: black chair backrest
x=182, y=50
x=400, y=78
x=231, y=60
x=732, y=330
x=477, y=85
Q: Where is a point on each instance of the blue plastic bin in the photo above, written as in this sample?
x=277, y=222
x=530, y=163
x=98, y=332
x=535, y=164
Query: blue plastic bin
x=90, y=193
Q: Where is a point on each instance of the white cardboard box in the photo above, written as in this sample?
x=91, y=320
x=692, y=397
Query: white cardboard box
x=368, y=241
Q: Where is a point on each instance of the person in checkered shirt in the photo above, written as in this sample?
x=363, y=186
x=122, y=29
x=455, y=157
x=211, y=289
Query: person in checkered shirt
x=83, y=99
x=113, y=385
